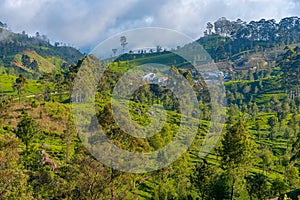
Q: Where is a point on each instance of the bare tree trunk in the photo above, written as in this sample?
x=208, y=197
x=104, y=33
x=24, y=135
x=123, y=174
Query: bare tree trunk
x=232, y=189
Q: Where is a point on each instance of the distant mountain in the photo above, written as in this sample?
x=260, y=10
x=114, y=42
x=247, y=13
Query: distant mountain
x=33, y=55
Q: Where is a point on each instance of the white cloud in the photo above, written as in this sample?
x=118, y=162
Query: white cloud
x=78, y=22
x=87, y=22
x=191, y=15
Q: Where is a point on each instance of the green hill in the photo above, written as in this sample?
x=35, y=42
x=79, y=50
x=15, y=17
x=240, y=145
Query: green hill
x=257, y=156
x=33, y=55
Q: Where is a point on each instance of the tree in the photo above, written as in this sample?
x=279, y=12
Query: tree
x=203, y=178
x=46, y=79
x=285, y=197
x=267, y=159
x=33, y=65
x=37, y=35
x=296, y=149
x=3, y=25
x=292, y=176
x=279, y=186
x=250, y=75
x=27, y=130
x=233, y=114
x=114, y=51
x=70, y=77
x=220, y=53
x=69, y=139
x=4, y=105
x=209, y=27
x=258, y=129
x=181, y=173
x=158, y=48
x=25, y=60
x=257, y=186
x=246, y=89
x=223, y=26
x=13, y=180
x=96, y=181
x=294, y=123
x=13, y=184
x=221, y=187
x=45, y=38
x=124, y=42
x=236, y=152
x=59, y=85
x=47, y=93
x=275, y=104
x=272, y=121
x=19, y=85
x=255, y=110
x=290, y=66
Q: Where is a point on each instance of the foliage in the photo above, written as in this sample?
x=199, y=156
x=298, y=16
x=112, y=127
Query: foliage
x=257, y=157
x=19, y=85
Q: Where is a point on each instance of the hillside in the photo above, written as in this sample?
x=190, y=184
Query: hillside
x=33, y=55
x=44, y=155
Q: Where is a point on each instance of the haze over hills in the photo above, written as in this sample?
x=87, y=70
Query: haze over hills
x=34, y=55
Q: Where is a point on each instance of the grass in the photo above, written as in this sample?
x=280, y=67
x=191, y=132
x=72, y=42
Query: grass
x=33, y=87
x=45, y=64
x=6, y=84
x=56, y=61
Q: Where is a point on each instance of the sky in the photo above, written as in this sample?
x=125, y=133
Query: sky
x=86, y=23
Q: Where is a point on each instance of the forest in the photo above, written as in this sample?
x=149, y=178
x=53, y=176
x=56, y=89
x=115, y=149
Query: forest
x=42, y=155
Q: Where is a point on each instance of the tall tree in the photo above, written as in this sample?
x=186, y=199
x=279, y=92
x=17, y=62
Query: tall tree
x=59, y=85
x=27, y=130
x=124, y=42
x=45, y=80
x=13, y=180
x=257, y=186
x=236, y=152
x=19, y=85
x=296, y=149
x=209, y=27
x=223, y=26
x=273, y=122
x=267, y=159
x=203, y=178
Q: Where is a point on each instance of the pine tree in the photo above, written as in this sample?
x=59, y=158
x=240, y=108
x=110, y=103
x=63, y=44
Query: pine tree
x=236, y=152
